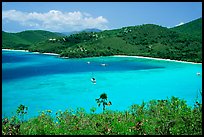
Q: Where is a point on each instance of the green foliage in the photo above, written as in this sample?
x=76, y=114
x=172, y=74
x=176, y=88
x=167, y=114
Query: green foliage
x=156, y=117
x=103, y=100
x=23, y=40
x=156, y=41
x=12, y=126
x=192, y=28
x=21, y=111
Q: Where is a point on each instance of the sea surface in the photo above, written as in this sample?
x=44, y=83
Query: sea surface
x=46, y=82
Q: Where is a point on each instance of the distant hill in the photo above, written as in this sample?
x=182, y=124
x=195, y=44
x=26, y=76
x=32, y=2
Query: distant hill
x=143, y=40
x=60, y=34
x=85, y=30
x=25, y=38
x=193, y=28
x=92, y=30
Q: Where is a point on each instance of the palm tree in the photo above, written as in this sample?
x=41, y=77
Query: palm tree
x=103, y=99
x=21, y=111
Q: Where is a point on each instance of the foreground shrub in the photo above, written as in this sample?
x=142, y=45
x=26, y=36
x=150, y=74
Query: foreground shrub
x=156, y=117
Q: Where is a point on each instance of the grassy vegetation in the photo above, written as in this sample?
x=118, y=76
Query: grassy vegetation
x=156, y=117
x=144, y=40
x=194, y=28
x=24, y=39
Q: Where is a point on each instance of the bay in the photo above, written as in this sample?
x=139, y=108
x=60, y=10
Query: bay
x=44, y=82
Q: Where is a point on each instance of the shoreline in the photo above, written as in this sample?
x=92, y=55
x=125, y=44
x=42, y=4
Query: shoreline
x=156, y=59
x=15, y=50
x=54, y=54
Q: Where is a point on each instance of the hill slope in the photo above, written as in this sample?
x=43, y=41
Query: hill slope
x=24, y=39
x=85, y=30
x=144, y=40
x=193, y=28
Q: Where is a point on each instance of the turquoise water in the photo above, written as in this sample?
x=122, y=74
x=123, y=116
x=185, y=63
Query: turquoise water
x=44, y=82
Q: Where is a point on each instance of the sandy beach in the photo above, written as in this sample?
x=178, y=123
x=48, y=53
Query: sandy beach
x=50, y=54
x=16, y=50
x=54, y=54
x=156, y=59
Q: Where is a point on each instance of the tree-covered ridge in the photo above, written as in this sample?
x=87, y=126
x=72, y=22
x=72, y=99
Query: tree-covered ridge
x=156, y=41
x=143, y=40
x=194, y=28
x=22, y=40
x=85, y=30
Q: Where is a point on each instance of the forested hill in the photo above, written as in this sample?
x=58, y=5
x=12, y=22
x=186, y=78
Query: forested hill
x=194, y=28
x=142, y=40
x=26, y=38
x=85, y=30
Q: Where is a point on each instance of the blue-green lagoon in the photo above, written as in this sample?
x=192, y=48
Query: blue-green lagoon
x=44, y=82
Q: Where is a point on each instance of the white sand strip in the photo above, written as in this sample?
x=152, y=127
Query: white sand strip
x=15, y=50
x=50, y=54
x=156, y=59
x=31, y=52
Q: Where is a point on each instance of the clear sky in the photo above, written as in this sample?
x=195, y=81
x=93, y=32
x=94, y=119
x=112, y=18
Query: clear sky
x=74, y=16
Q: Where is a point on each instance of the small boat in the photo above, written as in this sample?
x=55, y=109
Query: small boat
x=88, y=62
x=103, y=64
x=198, y=73
x=93, y=80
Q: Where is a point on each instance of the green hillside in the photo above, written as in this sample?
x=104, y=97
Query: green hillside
x=156, y=41
x=193, y=28
x=10, y=40
x=23, y=40
x=143, y=40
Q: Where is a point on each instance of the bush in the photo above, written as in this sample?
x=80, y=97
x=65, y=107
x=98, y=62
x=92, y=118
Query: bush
x=156, y=117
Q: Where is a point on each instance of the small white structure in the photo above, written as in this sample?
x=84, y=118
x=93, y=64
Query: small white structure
x=52, y=39
x=81, y=49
